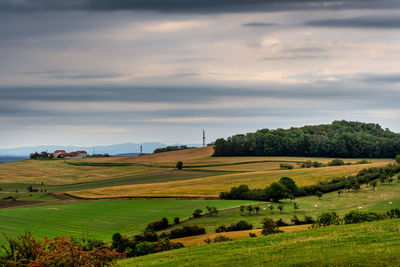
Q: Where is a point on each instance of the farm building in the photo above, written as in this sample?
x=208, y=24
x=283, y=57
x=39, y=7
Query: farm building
x=74, y=154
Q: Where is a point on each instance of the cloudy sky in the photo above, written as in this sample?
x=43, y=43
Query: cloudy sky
x=96, y=72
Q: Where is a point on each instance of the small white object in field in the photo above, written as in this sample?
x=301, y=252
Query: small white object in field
x=359, y=208
x=263, y=208
x=315, y=205
x=269, y=205
x=390, y=202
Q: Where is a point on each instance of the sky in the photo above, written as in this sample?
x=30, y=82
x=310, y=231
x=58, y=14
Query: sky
x=98, y=72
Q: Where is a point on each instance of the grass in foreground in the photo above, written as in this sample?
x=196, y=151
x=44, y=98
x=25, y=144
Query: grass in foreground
x=368, y=244
x=100, y=219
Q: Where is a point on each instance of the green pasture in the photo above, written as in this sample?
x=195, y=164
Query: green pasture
x=368, y=244
x=366, y=198
x=99, y=219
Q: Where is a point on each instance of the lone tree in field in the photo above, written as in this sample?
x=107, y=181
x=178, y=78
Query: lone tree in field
x=250, y=209
x=176, y=220
x=271, y=207
x=339, y=192
x=295, y=206
x=318, y=194
x=269, y=227
x=197, y=213
x=179, y=165
x=242, y=209
x=280, y=208
x=374, y=184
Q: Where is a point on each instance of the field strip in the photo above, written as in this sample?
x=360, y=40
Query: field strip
x=212, y=186
x=234, y=235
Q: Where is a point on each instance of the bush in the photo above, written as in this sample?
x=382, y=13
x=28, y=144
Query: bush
x=197, y=213
x=60, y=251
x=336, y=162
x=221, y=238
x=176, y=220
x=394, y=213
x=327, y=218
x=269, y=227
x=285, y=166
x=158, y=225
x=179, y=165
x=252, y=235
x=356, y=216
x=239, y=226
x=189, y=230
x=280, y=223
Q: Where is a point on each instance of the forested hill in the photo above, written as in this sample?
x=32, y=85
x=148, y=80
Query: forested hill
x=340, y=139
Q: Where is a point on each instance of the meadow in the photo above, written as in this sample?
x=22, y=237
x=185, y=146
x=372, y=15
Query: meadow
x=99, y=219
x=367, y=244
x=368, y=199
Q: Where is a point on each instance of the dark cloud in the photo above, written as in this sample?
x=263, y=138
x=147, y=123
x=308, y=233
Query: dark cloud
x=373, y=22
x=200, y=6
x=379, y=78
x=258, y=24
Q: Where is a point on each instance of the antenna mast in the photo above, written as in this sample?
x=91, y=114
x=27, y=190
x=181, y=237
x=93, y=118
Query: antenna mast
x=204, y=138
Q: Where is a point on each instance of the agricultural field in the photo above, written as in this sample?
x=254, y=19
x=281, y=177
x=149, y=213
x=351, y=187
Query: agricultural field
x=212, y=186
x=383, y=199
x=367, y=244
x=100, y=219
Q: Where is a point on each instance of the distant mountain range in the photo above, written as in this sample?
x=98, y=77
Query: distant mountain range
x=117, y=149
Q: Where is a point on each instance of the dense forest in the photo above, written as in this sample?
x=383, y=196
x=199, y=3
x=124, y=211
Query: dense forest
x=345, y=139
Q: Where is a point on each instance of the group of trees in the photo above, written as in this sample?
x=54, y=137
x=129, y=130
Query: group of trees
x=239, y=226
x=41, y=155
x=286, y=188
x=344, y=139
x=143, y=244
x=354, y=216
x=170, y=148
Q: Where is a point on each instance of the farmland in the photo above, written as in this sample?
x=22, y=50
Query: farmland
x=97, y=197
x=372, y=244
x=99, y=219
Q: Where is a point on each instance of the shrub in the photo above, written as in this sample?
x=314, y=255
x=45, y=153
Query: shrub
x=285, y=166
x=220, y=229
x=60, y=251
x=269, y=227
x=197, y=213
x=241, y=225
x=221, y=238
x=336, y=162
x=356, y=216
x=179, y=165
x=327, y=218
x=252, y=235
x=187, y=230
x=280, y=223
x=158, y=225
x=176, y=220
x=394, y=213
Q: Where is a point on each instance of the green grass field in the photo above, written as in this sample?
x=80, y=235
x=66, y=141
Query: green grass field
x=377, y=201
x=100, y=219
x=368, y=244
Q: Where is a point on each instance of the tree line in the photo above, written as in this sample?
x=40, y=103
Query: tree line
x=345, y=139
x=286, y=187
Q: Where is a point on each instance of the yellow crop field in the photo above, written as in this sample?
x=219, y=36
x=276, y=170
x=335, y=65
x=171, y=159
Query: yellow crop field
x=55, y=172
x=212, y=186
x=236, y=235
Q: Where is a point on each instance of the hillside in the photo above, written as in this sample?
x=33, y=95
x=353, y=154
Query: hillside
x=368, y=244
x=343, y=139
